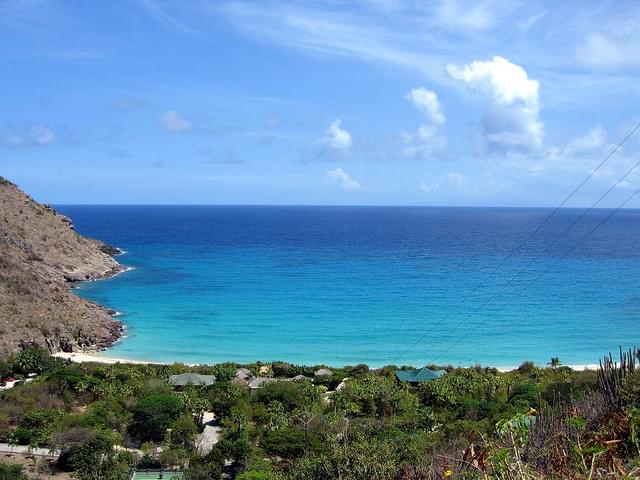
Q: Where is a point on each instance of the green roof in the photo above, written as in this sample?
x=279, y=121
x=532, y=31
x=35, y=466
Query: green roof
x=420, y=375
x=156, y=475
x=191, y=379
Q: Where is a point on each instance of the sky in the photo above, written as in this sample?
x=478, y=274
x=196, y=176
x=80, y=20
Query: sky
x=370, y=102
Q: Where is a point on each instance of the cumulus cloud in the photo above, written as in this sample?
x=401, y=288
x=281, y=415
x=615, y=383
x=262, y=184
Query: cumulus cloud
x=337, y=137
x=513, y=119
x=174, y=122
x=28, y=136
x=339, y=176
x=427, y=102
x=429, y=139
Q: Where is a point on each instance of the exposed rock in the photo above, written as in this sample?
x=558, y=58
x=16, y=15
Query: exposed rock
x=40, y=254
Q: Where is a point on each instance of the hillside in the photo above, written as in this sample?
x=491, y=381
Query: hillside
x=40, y=256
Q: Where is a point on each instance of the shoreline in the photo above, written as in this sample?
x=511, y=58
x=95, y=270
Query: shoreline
x=88, y=357
x=113, y=314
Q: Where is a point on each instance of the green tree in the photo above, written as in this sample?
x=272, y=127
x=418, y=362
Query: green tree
x=554, y=363
x=31, y=360
x=183, y=433
x=36, y=426
x=278, y=417
x=96, y=459
x=153, y=414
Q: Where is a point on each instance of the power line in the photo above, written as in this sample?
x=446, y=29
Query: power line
x=546, y=249
x=551, y=267
x=522, y=244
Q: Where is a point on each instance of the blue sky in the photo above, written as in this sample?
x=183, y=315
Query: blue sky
x=388, y=102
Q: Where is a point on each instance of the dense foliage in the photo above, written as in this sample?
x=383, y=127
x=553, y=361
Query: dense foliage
x=471, y=423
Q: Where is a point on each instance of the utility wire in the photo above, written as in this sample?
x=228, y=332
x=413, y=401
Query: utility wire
x=539, y=255
x=521, y=245
x=542, y=274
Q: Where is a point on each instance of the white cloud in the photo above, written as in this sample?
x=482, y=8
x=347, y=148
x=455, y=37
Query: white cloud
x=428, y=140
x=532, y=21
x=174, y=122
x=612, y=50
x=500, y=79
x=592, y=141
x=30, y=136
x=451, y=181
x=580, y=154
x=427, y=102
x=319, y=30
x=470, y=14
x=513, y=120
x=336, y=137
x=341, y=177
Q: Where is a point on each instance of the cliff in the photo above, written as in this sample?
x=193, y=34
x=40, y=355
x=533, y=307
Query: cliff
x=40, y=256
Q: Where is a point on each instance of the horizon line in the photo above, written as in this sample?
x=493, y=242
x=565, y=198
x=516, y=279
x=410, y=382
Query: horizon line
x=328, y=205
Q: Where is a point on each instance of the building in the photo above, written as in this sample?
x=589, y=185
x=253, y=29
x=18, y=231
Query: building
x=258, y=382
x=185, y=379
x=242, y=376
x=156, y=475
x=416, y=376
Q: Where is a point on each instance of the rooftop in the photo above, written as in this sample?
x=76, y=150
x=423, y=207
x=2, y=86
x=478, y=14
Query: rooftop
x=156, y=475
x=421, y=375
x=191, y=379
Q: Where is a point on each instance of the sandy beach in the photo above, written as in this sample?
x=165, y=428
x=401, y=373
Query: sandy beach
x=85, y=357
x=82, y=357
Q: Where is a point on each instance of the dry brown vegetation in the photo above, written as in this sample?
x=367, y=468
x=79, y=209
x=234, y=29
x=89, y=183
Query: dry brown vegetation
x=40, y=254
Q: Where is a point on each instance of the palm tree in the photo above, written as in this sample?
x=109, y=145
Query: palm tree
x=554, y=363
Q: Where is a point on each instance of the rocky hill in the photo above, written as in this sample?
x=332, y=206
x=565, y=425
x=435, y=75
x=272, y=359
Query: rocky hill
x=40, y=256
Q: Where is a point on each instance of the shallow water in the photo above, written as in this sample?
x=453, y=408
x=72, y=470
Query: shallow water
x=375, y=285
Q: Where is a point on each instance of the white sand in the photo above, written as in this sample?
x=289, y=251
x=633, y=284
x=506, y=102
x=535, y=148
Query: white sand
x=589, y=366
x=78, y=357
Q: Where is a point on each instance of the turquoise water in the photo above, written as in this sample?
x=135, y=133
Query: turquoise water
x=375, y=285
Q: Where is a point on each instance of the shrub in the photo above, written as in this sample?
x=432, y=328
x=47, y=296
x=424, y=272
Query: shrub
x=106, y=414
x=36, y=426
x=525, y=394
x=147, y=462
x=527, y=368
x=32, y=360
x=291, y=394
x=95, y=458
x=209, y=467
x=286, y=442
x=203, y=471
x=630, y=390
x=183, y=432
x=12, y=472
x=255, y=476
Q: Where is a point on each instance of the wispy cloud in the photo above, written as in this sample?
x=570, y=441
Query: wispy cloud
x=166, y=20
x=324, y=32
x=27, y=136
x=342, y=178
x=175, y=122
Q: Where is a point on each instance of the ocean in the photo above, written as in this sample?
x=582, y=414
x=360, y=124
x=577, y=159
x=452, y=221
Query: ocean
x=374, y=285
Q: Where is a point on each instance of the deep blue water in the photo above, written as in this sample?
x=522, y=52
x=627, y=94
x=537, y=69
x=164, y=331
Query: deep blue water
x=376, y=285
